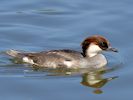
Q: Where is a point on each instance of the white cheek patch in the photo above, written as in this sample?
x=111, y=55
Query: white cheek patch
x=27, y=60
x=93, y=50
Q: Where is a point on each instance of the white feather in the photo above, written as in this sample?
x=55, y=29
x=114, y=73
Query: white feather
x=93, y=50
x=68, y=63
x=27, y=60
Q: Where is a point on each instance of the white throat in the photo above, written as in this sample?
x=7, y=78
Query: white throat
x=93, y=50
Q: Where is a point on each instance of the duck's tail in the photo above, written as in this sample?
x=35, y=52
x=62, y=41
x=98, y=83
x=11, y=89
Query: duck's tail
x=13, y=53
x=24, y=57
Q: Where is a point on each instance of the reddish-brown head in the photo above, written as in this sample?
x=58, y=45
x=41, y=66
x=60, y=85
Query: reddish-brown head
x=96, y=44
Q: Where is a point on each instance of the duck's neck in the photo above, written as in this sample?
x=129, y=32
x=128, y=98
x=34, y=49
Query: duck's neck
x=89, y=54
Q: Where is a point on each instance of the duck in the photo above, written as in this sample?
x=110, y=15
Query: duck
x=91, y=55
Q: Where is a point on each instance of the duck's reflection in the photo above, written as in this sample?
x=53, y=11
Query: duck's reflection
x=90, y=77
x=95, y=80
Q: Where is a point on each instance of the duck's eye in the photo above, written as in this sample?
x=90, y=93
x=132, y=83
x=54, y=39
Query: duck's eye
x=104, y=44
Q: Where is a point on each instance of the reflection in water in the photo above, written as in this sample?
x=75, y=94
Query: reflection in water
x=90, y=77
x=95, y=80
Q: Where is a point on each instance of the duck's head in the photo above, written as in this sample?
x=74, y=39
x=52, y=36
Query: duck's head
x=95, y=44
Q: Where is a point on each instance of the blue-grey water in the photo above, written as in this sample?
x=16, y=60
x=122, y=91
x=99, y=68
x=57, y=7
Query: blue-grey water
x=36, y=25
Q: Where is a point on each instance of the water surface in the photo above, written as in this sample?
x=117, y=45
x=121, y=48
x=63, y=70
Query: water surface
x=37, y=25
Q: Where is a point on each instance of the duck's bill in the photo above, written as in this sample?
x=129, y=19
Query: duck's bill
x=112, y=49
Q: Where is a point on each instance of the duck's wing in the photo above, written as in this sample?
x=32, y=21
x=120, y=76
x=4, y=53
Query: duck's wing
x=55, y=56
x=47, y=58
